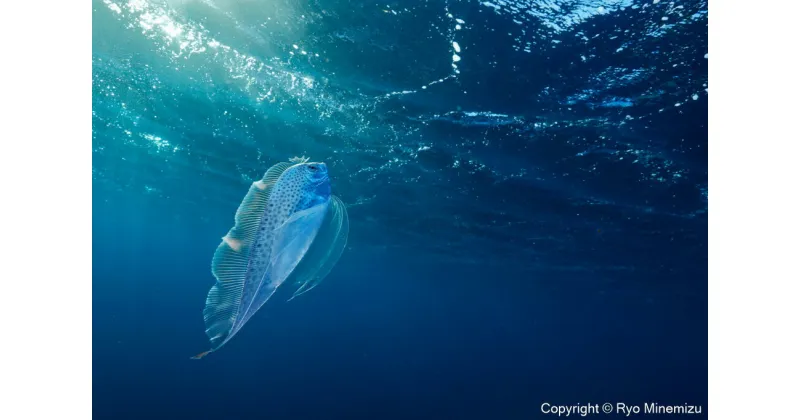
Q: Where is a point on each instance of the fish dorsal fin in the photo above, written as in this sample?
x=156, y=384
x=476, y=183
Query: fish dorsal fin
x=250, y=212
x=229, y=264
x=325, y=251
x=273, y=173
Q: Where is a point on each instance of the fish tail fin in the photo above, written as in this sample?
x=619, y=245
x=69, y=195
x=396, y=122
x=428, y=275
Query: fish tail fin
x=201, y=355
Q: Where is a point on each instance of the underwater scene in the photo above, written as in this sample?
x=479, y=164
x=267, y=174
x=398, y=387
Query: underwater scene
x=461, y=209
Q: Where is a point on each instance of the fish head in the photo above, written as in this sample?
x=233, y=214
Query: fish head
x=316, y=172
x=315, y=184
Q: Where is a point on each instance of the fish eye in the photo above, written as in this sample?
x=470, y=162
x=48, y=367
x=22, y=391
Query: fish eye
x=313, y=168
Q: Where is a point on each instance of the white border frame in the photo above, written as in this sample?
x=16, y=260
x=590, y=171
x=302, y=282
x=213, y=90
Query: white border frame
x=754, y=212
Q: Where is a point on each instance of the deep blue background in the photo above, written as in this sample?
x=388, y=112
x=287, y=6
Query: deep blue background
x=380, y=338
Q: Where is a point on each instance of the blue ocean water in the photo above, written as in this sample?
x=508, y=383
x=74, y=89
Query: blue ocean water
x=526, y=183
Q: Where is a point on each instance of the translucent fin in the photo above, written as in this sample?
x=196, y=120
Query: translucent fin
x=275, y=172
x=290, y=242
x=293, y=239
x=229, y=267
x=250, y=212
x=326, y=249
x=229, y=264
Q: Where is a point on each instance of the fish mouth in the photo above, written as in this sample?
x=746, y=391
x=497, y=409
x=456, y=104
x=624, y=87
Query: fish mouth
x=319, y=181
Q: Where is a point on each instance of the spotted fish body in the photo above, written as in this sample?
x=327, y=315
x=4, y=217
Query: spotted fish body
x=288, y=227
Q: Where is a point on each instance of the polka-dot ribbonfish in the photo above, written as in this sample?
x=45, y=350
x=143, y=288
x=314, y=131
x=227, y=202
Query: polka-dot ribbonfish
x=288, y=228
